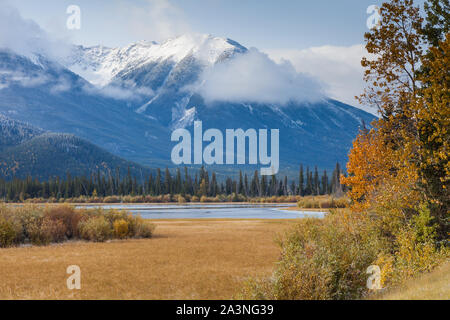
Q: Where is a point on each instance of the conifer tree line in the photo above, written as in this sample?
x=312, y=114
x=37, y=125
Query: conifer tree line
x=202, y=183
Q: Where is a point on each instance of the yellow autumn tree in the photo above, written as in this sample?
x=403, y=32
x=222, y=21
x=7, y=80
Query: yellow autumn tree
x=403, y=161
x=368, y=166
x=433, y=118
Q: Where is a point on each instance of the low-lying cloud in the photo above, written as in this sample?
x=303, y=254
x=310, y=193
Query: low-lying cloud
x=121, y=91
x=25, y=37
x=8, y=77
x=338, y=67
x=254, y=77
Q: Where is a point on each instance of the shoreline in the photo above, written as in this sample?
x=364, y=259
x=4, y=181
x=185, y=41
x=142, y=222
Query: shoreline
x=81, y=204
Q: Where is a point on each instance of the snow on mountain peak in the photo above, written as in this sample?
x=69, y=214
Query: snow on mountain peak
x=99, y=64
x=206, y=48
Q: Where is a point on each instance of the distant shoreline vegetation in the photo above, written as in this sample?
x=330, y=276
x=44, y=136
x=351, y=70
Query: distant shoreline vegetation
x=165, y=188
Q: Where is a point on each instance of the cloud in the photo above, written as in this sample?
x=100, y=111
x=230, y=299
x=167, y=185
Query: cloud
x=123, y=91
x=157, y=20
x=25, y=37
x=254, y=77
x=338, y=67
x=20, y=78
x=62, y=85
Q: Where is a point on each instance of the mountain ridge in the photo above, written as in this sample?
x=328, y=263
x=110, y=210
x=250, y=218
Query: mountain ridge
x=146, y=96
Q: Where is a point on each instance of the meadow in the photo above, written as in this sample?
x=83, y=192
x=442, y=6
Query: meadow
x=431, y=286
x=197, y=259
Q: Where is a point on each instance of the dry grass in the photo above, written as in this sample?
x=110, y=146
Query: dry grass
x=431, y=286
x=199, y=259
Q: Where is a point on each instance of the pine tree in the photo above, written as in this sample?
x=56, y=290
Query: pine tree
x=254, y=187
x=240, y=189
x=158, y=187
x=246, y=190
x=178, y=183
x=324, y=182
x=316, y=186
x=214, y=186
x=301, y=182
x=263, y=186
x=167, y=182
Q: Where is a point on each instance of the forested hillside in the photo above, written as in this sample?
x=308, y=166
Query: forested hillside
x=29, y=151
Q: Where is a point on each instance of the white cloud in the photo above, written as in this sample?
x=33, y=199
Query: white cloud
x=62, y=85
x=20, y=78
x=254, y=77
x=158, y=20
x=338, y=67
x=25, y=37
x=121, y=92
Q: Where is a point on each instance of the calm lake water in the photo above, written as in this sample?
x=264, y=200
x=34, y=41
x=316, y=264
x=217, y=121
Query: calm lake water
x=213, y=211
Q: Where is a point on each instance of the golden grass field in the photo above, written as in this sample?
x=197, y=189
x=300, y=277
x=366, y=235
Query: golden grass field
x=186, y=259
x=432, y=286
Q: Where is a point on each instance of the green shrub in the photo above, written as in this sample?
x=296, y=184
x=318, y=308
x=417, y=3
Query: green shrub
x=96, y=229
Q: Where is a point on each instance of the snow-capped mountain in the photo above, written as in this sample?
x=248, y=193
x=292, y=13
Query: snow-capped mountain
x=49, y=96
x=128, y=100
x=101, y=65
x=159, y=70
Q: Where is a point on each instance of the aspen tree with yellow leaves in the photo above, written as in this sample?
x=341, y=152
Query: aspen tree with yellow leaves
x=403, y=161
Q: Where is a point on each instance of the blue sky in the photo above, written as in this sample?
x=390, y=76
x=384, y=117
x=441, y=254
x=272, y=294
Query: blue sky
x=322, y=38
x=265, y=24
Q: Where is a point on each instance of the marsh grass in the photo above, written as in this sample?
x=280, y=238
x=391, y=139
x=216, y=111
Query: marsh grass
x=434, y=285
x=185, y=259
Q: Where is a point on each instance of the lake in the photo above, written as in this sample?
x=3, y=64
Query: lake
x=213, y=211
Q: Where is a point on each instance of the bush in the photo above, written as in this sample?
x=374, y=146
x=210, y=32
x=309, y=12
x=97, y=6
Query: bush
x=328, y=258
x=322, y=259
x=31, y=217
x=41, y=225
x=322, y=202
x=120, y=228
x=96, y=229
x=181, y=199
x=7, y=233
x=143, y=229
x=415, y=249
x=39, y=233
x=111, y=199
x=54, y=229
x=68, y=216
